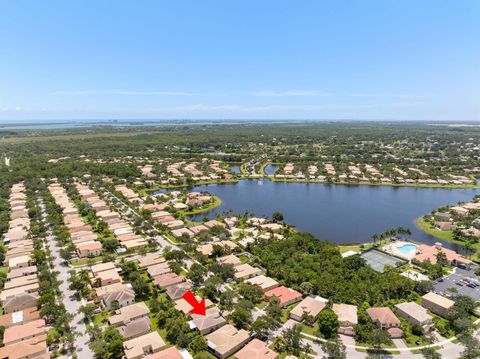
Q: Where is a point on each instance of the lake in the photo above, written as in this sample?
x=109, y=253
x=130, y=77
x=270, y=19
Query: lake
x=338, y=213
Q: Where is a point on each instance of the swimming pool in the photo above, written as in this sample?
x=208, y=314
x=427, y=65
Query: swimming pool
x=407, y=249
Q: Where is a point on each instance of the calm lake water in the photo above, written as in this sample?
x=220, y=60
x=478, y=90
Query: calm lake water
x=341, y=214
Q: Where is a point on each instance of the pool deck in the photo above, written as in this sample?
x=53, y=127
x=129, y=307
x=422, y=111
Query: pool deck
x=393, y=248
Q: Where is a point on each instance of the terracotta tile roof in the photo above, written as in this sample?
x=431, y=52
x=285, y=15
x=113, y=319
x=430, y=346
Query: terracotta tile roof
x=438, y=300
x=170, y=353
x=20, y=317
x=135, y=327
x=383, y=315
x=227, y=339
x=23, y=350
x=309, y=305
x=205, y=323
x=128, y=313
x=256, y=349
x=147, y=343
x=168, y=279
x=24, y=331
x=284, y=294
x=346, y=313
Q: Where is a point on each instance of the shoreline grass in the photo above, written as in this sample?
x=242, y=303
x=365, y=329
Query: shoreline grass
x=216, y=203
x=445, y=235
x=416, y=185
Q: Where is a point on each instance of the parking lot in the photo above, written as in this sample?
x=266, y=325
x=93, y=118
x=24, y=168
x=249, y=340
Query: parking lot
x=450, y=282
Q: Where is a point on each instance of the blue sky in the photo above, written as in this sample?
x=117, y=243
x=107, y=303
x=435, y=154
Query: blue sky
x=235, y=59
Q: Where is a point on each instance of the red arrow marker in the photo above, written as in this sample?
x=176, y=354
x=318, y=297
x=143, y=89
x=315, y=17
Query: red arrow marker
x=198, y=307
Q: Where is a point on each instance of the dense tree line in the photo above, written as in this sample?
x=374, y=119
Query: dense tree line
x=316, y=267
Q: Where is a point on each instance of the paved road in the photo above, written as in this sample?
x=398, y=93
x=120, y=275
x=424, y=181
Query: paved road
x=71, y=305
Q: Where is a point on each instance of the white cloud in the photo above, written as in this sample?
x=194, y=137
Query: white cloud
x=18, y=108
x=122, y=92
x=290, y=93
x=406, y=95
x=201, y=107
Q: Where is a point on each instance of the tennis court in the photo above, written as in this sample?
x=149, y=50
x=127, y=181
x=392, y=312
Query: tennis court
x=378, y=260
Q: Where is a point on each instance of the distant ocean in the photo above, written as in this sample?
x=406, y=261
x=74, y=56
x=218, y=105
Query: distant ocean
x=65, y=124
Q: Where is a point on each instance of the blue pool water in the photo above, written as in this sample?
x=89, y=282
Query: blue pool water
x=407, y=248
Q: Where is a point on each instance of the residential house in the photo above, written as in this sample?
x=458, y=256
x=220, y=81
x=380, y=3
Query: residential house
x=102, y=267
x=230, y=259
x=437, y=304
x=209, y=322
x=19, y=262
x=23, y=281
x=118, y=292
x=197, y=229
x=271, y=227
x=150, y=260
x=19, y=302
x=264, y=282
x=20, y=272
x=89, y=249
x=169, y=353
x=106, y=277
x=125, y=315
x=158, y=269
x=168, y=279
x=182, y=233
x=6, y=294
x=227, y=340
x=415, y=314
x=309, y=305
x=245, y=271
x=177, y=291
x=25, y=350
x=20, y=317
x=386, y=319
x=135, y=328
x=256, y=349
x=347, y=317
x=213, y=223
x=185, y=307
x=141, y=346
x=285, y=295
x=24, y=332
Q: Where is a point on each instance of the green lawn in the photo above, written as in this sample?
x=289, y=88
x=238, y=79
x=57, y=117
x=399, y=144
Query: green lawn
x=355, y=247
x=309, y=330
x=100, y=319
x=286, y=312
x=161, y=331
x=445, y=235
x=427, y=227
x=243, y=259
x=83, y=261
x=216, y=202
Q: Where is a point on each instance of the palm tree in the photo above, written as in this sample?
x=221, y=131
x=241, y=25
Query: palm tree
x=469, y=249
